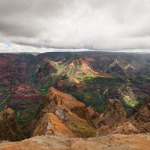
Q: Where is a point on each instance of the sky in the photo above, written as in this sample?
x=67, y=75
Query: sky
x=74, y=25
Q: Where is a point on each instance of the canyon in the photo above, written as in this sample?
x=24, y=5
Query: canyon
x=85, y=100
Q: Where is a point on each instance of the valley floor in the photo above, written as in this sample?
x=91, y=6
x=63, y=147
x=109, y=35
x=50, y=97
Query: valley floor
x=110, y=142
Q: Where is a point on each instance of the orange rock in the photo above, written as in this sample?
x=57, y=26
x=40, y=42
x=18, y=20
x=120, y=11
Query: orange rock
x=63, y=113
x=67, y=102
x=50, y=124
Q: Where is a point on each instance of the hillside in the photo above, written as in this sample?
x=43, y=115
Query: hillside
x=91, y=77
x=16, y=91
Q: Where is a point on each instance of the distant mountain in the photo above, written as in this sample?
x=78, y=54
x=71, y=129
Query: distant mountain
x=121, y=68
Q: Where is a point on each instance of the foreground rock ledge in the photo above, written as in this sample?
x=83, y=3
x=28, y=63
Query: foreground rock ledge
x=110, y=142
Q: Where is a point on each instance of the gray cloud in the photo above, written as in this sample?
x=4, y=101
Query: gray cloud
x=93, y=24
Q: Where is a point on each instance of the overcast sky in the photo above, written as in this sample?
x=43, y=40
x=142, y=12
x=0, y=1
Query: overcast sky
x=113, y=25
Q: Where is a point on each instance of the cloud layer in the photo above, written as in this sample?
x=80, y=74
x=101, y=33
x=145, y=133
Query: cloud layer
x=91, y=24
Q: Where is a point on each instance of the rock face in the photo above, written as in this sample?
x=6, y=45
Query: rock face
x=9, y=129
x=93, y=114
x=65, y=102
x=52, y=125
x=60, y=112
x=113, y=114
x=141, y=119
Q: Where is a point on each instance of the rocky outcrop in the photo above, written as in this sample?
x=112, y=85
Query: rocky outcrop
x=67, y=102
x=9, y=129
x=50, y=124
x=113, y=114
x=121, y=128
x=93, y=114
x=141, y=119
x=66, y=111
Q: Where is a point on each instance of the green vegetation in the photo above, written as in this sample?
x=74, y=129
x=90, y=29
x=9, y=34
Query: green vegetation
x=23, y=118
x=82, y=131
x=9, y=130
x=98, y=90
x=95, y=90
